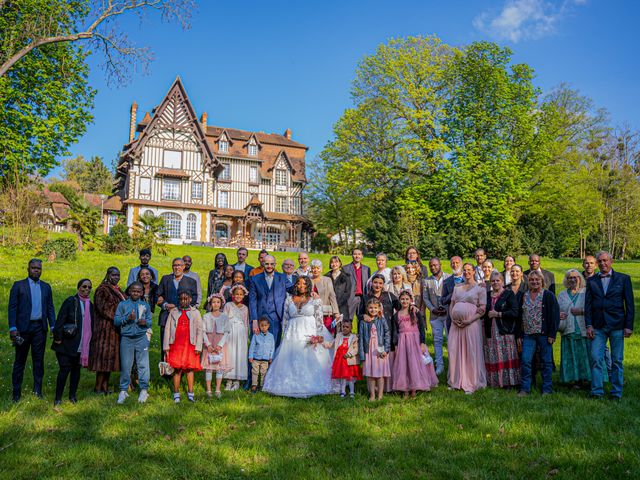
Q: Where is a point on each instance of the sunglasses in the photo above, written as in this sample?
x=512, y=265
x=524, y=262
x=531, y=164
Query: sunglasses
x=88, y=287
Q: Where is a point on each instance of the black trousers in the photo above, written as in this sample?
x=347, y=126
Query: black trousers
x=34, y=340
x=69, y=366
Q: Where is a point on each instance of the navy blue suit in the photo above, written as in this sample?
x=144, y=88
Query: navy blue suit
x=609, y=314
x=268, y=302
x=34, y=333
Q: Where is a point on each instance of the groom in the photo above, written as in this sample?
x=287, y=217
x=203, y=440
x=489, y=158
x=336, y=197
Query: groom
x=267, y=294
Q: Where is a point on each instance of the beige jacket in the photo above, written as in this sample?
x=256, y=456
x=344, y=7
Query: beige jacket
x=196, y=329
x=353, y=348
x=327, y=296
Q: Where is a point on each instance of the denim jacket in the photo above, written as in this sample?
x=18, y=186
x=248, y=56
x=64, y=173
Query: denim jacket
x=130, y=328
x=364, y=334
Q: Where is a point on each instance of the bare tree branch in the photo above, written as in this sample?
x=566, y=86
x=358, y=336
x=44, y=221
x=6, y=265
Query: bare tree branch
x=118, y=52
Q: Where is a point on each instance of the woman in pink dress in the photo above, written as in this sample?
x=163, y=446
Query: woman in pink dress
x=466, y=356
x=409, y=372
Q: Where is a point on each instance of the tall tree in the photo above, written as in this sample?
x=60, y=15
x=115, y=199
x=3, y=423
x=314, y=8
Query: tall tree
x=92, y=176
x=46, y=103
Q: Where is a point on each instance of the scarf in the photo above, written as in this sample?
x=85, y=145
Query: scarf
x=86, y=331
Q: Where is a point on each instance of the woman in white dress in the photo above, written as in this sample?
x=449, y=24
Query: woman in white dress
x=299, y=369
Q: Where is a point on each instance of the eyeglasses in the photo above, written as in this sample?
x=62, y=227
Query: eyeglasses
x=88, y=287
x=573, y=278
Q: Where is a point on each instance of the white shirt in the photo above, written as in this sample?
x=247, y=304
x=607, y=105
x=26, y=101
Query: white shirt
x=269, y=279
x=605, y=281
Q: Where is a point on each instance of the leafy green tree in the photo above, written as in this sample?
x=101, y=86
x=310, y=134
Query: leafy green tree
x=151, y=232
x=92, y=176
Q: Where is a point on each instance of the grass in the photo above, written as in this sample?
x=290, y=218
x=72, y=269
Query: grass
x=441, y=434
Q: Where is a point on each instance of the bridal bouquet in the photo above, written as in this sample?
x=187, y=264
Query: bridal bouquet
x=315, y=340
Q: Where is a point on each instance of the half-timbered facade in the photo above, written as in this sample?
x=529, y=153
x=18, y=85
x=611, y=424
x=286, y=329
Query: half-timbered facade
x=211, y=184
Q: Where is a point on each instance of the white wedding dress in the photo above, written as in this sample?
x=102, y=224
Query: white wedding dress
x=301, y=370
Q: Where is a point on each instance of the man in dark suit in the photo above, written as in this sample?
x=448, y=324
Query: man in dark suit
x=168, y=291
x=449, y=284
x=30, y=312
x=359, y=274
x=242, y=264
x=609, y=314
x=267, y=295
x=549, y=279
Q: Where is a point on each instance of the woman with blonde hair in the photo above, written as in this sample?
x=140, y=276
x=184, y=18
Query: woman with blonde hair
x=575, y=349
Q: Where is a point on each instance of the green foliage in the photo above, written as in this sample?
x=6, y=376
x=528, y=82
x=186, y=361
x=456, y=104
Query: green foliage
x=92, y=176
x=46, y=98
x=70, y=190
x=151, y=232
x=118, y=240
x=60, y=248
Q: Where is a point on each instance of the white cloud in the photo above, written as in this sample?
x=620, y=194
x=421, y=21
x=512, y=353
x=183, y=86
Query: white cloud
x=524, y=19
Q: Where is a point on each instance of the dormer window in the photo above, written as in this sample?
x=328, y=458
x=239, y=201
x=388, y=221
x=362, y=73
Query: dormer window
x=253, y=149
x=281, y=177
x=223, y=146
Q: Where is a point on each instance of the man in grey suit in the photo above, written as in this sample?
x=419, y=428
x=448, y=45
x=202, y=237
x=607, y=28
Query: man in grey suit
x=359, y=274
x=432, y=296
x=549, y=279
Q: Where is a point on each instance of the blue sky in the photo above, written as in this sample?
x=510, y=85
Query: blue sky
x=268, y=66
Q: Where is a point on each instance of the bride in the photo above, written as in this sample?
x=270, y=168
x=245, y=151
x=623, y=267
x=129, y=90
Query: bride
x=299, y=368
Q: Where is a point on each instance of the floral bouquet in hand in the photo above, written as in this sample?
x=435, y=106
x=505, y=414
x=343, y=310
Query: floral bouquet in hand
x=315, y=340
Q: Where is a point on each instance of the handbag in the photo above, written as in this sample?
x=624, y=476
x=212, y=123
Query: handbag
x=166, y=370
x=70, y=330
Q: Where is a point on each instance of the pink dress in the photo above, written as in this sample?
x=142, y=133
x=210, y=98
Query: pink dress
x=466, y=353
x=409, y=371
x=374, y=366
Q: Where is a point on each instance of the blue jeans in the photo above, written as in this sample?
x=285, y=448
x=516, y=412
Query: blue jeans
x=437, y=328
x=616, y=342
x=130, y=348
x=529, y=344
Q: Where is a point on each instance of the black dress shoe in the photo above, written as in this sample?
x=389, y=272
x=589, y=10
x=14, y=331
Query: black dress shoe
x=38, y=395
x=73, y=399
x=57, y=403
x=16, y=397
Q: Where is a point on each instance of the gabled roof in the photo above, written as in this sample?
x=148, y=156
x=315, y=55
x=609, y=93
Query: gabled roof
x=174, y=113
x=283, y=154
x=224, y=132
x=255, y=201
x=253, y=135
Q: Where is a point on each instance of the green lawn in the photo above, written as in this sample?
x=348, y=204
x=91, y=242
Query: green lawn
x=441, y=434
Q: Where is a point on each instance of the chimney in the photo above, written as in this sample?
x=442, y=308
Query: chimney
x=203, y=121
x=287, y=133
x=132, y=124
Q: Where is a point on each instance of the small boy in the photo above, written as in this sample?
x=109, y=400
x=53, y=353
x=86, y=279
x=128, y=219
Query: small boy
x=261, y=353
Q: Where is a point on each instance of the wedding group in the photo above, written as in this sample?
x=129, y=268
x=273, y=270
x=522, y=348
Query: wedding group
x=300, y=332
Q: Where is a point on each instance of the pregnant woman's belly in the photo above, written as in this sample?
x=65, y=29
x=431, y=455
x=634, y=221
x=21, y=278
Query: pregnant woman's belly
x=463, y=310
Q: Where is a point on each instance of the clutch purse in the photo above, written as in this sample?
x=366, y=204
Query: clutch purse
x=70, y=330
x=165, y=369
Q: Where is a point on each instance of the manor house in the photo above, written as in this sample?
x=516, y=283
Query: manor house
x=210, y=184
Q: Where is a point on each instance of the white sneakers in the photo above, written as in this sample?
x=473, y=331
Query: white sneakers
x=144, y=395
x=142, y=398
x=122, y=397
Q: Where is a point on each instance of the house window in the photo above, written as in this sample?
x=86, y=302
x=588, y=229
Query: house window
x=253, y=150
x=191, y=226
x=295, y=205
x=172, y=223
x=223, y=146
x=226, y=172
x=170, y=189
x=253, y=174
x=148, y=213
x=145, y=186
x=196, y=190
x=281, y=205
x=281, y=177
x=112, y=221
x=223, y=199
x=172, y=159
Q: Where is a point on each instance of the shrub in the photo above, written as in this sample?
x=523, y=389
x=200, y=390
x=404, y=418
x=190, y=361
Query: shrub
x=62, y=248
x=118, y=240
